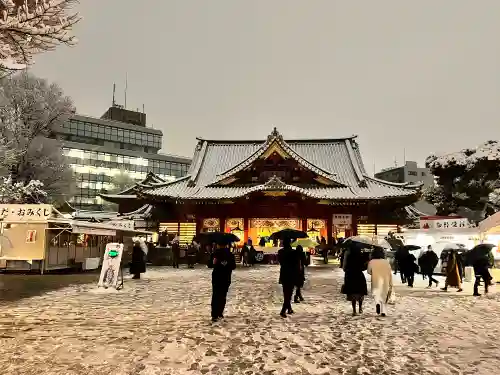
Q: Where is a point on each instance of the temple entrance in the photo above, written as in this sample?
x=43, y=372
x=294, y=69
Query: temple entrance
x=259, y=230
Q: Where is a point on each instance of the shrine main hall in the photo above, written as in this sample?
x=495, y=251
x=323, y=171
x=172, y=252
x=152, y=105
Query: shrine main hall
x=255, y=187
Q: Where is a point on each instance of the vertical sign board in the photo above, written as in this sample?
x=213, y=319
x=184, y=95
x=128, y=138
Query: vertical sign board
x=111, y=265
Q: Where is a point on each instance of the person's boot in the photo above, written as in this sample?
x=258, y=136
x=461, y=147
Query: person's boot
x=283, y=314
x=296, y=299
x=378, y=308
x=476, y=291
x=290, y=311
x=301, y=298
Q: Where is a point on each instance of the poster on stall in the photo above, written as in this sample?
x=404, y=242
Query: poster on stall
x=111, y=266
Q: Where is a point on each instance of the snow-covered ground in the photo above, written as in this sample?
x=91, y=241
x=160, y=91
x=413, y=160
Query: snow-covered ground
x=160, y=325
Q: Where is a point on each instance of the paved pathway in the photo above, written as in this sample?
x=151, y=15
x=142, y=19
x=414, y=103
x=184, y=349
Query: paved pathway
x=160, y=325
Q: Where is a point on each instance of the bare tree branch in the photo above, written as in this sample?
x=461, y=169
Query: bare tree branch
x=28, y=27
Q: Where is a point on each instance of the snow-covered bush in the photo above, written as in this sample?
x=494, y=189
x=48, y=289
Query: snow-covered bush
x=465, y=178
x=22, y=193
x=28, y=27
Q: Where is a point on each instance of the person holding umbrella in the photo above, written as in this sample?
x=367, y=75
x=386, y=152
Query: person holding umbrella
x=428, y=262
x=355, y=288
x=289, y=275
x=223, y=265
x=479, y=258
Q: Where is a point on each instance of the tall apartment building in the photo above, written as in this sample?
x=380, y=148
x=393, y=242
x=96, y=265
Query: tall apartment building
x=410, y=172
x=119, y=141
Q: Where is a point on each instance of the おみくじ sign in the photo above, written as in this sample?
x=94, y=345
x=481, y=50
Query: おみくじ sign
x=25, y=212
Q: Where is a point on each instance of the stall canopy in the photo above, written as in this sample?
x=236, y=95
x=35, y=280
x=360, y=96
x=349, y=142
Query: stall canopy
x=103, y=229
x=490, y=223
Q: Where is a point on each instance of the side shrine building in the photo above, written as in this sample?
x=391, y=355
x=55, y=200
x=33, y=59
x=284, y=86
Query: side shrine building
x=254, y=188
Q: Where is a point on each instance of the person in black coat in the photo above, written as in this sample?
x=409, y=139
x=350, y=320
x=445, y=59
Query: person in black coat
x=223, y=264
x=289, y=275
x=138, y=263
x=428, y=262
x=302, y=274
x=355, y=288
x=176, y=254
x=409, y=267
x=481, y=271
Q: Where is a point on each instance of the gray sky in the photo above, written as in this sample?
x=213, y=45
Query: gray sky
x=421, y=75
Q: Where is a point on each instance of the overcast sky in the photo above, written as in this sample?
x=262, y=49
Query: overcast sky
x=417, y=75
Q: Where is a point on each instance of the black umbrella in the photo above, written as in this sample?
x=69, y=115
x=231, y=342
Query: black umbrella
x=481, y=251
x=288, y=233
x=411, y=247
x=217, y=237
x=395, y=242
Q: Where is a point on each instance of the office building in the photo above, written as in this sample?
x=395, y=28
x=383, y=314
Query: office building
x=410, y=172
x=119, y=142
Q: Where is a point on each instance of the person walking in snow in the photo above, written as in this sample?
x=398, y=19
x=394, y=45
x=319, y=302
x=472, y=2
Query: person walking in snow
x=428, y=262
x=289, y=275
x=223, y=265
x=302, y=274
x=381, y=273
x=453, y=277
x=138, y=263
x=409, y=267
x=354, y=287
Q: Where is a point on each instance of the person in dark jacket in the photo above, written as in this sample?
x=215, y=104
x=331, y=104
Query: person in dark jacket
x=289, y=275
x=192, y=250
x=355, y=288
x=399, y=258
x=138, y=264
x=223, y=265
x=176, y=254
x=324, y=249
x=251, y=255
x=428, y=262
x=481, y=271
x=245, y=251
x=302, y=274
x=408, y=267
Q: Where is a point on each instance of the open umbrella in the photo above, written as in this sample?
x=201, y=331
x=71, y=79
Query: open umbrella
x=305, y=243
x=362, y=240
x=217, y=237
x=288, y=233
x=481, y=251
x=384, y=244
x=411, y=247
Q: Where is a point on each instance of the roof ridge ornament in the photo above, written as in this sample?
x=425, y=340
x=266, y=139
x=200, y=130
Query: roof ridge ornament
x=275, y=182
x=275, y=134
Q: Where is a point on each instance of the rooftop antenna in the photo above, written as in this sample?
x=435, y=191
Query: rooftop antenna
x=404, y=156
x=114, y=90
x=126, y=87
x=374, y=168
x=143, y=110
x=395, y=161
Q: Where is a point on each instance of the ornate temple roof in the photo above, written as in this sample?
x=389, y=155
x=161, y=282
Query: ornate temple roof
x=131, y=192
x=337, y=161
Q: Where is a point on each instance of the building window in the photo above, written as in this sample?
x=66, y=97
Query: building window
x=424, y=174
x=412, y=173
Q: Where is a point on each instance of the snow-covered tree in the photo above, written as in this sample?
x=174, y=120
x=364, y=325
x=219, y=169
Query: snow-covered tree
x=29, y=109
x=21, y=192
x=465, y=179
x=28, y=27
